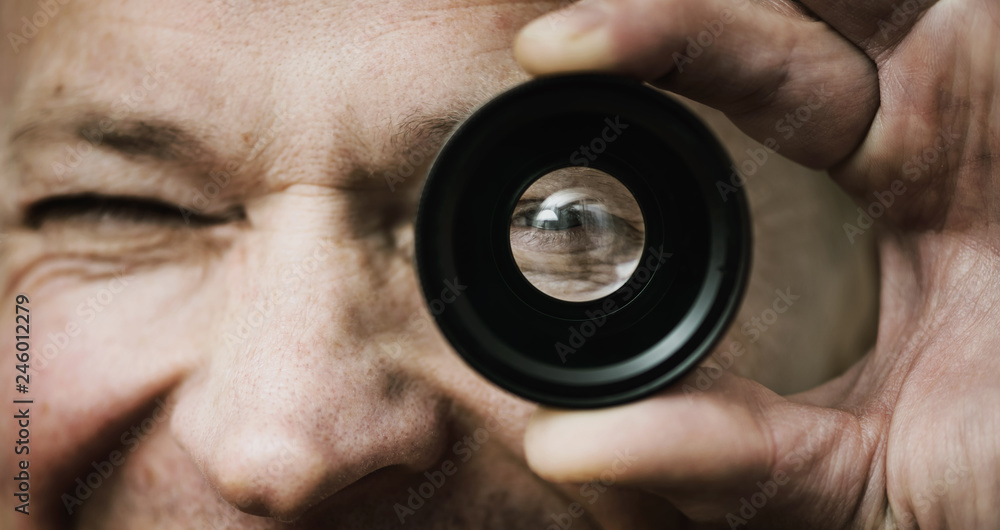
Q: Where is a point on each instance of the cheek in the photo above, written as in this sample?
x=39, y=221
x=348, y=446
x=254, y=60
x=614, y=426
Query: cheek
x=161, y=479
x=102, y=329
x=67, y=336
x=100, y=349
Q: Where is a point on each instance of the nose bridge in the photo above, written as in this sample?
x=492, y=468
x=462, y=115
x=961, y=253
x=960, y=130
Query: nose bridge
x=287, y=291
x=301, y=284
x=296, y=403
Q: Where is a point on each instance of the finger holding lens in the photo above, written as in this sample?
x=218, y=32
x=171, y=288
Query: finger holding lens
x=766, y=64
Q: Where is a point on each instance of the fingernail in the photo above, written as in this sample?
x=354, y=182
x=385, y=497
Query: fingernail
x=582, y=17
x=574, y=37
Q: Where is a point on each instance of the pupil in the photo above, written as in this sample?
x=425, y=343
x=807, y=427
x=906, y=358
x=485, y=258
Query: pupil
x=557, y=218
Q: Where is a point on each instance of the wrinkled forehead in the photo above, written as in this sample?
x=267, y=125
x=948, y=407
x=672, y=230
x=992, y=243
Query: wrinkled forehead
x=354, y=73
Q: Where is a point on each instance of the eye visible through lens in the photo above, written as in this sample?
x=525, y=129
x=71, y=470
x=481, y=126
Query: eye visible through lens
x=577, y=234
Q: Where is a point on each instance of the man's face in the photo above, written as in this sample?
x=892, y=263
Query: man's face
x=210, y=206
x=276, y=316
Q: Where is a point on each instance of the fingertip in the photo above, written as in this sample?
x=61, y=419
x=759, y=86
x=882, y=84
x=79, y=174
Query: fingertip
x=538, y=442
x=573, y=39
x=557, y=446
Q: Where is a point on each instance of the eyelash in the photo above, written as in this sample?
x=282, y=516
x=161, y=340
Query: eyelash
x=96, y=208
x=552, y=240
x=566, y=241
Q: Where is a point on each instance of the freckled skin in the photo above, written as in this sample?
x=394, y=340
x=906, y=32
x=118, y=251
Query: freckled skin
x=245, y=370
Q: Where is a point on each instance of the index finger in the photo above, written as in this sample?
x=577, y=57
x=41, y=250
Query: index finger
x=778, y=75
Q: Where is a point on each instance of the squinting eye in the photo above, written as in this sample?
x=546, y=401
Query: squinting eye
x=96, y=208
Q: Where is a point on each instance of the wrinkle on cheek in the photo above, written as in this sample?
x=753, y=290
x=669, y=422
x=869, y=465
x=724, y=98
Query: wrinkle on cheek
x=31, y=260
x=96, y=370
x=90, y=314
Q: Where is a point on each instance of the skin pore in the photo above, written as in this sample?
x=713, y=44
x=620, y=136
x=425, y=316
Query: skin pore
x=204, y=202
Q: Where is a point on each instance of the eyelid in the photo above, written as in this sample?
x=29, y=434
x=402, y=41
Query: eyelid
x=562, y=240
x=526, y=205
x=133, y=209
x=522, y=207
x=621, y=206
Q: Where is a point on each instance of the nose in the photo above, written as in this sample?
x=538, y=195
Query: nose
x=296, y=400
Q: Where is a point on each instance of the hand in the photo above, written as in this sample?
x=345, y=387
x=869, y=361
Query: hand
x=900, y=101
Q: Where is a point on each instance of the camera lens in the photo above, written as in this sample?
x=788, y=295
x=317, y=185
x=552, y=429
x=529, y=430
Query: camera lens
x=577, y=234
x=579, y=243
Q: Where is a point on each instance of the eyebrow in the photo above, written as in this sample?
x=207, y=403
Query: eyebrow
x=427, y=132
x=149, y=137
x=421, y=134
x=168, y=141
x=159, y=139
x=428, y=128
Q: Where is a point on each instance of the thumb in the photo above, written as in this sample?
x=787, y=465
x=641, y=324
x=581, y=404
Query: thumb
x=708, y=452
x=766, y=66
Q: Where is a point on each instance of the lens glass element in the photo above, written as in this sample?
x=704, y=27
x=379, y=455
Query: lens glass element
x=577, y=234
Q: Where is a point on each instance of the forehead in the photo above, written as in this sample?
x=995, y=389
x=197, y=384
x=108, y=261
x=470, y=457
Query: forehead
x=341, y=78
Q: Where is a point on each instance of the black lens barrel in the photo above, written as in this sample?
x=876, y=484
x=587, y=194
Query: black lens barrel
x=678, y=302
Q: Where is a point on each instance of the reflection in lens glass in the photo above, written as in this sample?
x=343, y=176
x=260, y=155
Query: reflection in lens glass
x=577, y=234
